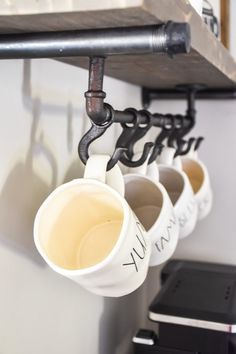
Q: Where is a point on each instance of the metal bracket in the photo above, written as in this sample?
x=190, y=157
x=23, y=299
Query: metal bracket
x=203, y=93
x=103, y=115
x=100, y=112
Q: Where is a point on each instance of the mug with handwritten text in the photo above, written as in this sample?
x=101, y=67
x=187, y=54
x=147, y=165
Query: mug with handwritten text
x=86, y=231
x=179, y=189
x=199, y=178
x=151, y=204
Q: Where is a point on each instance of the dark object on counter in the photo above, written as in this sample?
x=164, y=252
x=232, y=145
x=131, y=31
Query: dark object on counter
x=195, y=310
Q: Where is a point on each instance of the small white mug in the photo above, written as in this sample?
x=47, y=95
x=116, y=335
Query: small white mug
x=179, y=190
x=151, y=204
x=200, y=181
x=86, y=231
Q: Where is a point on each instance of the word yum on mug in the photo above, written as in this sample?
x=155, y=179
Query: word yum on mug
x=138, y=252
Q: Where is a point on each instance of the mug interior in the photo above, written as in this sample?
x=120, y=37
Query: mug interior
x=173, y=182
x=194, y=172
x=144, y=198
x=79, y=225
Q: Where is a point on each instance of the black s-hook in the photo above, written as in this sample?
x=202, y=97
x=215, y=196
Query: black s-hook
x=129, y=136
x=95, y=132
x=166, y=130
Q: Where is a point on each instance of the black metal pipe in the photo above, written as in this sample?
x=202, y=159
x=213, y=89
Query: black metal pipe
x=221, y=93
x=191, y=111
x=172, y=38
x=158, y=119
x=100, y=112
x=95, y=107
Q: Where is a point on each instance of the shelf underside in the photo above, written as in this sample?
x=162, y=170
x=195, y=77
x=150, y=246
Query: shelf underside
x=208, y=63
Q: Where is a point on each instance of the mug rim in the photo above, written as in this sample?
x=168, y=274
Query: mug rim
x=84, y=271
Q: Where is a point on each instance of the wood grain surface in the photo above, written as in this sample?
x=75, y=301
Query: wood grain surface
x=208, y=63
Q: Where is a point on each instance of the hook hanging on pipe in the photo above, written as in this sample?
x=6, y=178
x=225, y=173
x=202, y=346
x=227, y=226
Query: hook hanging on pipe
x=170, y=38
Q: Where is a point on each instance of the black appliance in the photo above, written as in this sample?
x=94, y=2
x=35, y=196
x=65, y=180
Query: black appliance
x=195, y=311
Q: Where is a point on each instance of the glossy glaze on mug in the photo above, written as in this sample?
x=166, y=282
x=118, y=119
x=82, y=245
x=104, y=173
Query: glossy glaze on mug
x=200, y=181
x=151, y=204
x=182, y=197
x=76, y=215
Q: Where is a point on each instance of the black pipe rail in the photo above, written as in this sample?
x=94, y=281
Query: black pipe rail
x=171, y=38
x=100, y=112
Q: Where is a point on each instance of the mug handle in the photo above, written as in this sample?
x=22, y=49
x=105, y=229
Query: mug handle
x=153, y=172
x=192, y=153
x=140, y=170
x=177, y=163
x=167, y=156
x=150, y=171
x=96, y=169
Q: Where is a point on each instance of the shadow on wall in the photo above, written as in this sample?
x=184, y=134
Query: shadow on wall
x=24, y=190
x=25, y=187
x=76, y=168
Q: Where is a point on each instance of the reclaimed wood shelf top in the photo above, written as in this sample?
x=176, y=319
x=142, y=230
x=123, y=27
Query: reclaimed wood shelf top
x=209, y=62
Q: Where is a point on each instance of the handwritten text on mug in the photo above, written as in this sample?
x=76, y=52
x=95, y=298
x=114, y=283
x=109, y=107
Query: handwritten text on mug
x=137, y=253
x=166, y=238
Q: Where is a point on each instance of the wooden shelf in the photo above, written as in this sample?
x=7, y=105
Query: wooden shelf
x=208, y=63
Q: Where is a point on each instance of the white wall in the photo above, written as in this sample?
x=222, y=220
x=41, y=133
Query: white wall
x=42, y=120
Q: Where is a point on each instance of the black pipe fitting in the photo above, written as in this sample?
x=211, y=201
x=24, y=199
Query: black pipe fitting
x=98, y=111
x=176, y=37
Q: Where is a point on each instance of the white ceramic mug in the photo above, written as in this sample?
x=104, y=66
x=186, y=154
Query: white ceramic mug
x=151, y=204
x=86, y=231
x=200, y=181
x=179, y=190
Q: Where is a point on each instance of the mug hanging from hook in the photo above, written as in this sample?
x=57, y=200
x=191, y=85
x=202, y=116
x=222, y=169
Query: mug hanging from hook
x=129, y=136
x=173, y=136
x=95, y=132
x=176, y=140
x=141, y=130
x=188, y=146
x=189, y=143
x=166, y=130
x=191, y=91
x=199, y=141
